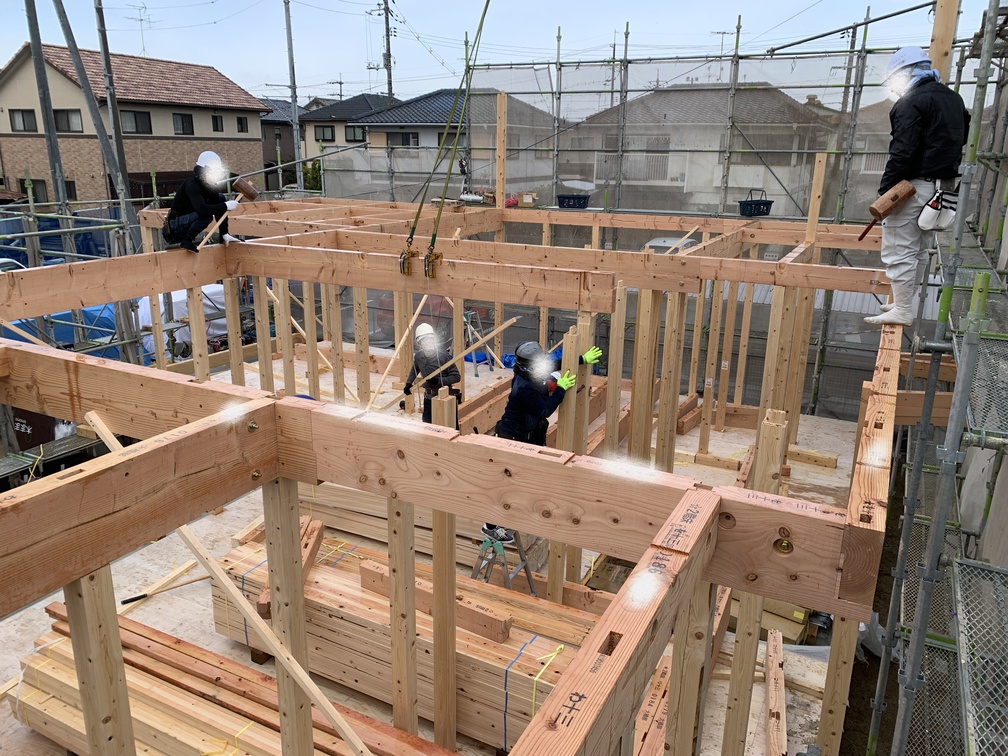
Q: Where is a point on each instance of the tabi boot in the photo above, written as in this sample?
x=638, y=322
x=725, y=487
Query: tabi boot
x=900, y=313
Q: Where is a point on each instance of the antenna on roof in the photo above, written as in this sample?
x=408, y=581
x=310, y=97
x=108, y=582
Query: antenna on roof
x=142, y=17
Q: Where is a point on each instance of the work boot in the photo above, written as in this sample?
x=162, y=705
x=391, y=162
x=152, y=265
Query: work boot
x=900, y=313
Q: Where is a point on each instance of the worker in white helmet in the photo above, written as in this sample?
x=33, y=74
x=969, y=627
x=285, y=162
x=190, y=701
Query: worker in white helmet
x=929, y=128
x=428, y=356
x=198, y=202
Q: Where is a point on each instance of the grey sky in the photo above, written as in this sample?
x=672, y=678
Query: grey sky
x=340, y=39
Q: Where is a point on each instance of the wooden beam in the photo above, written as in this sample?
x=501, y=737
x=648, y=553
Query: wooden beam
x=286, y=580
x=775, y=707
x=98, y=658
x=140, y=493
x=593, y=701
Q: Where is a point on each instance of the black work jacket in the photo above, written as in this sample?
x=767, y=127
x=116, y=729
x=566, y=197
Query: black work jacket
x=528, y=405
x=425, y=364
x=930, y=125
x=195, y=197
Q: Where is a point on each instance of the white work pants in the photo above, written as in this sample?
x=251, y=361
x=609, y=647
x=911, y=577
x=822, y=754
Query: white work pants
x=904, y=247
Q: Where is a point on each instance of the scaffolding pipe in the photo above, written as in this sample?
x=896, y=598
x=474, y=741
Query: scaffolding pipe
x=621, y=147
x=556, y=122
x=730, y=124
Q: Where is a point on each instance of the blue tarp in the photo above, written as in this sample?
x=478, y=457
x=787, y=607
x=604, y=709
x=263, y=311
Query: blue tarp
x=101, y=316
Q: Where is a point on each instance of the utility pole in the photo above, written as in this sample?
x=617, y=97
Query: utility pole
x=113, y=103
x=388, y=49
x=298, y=167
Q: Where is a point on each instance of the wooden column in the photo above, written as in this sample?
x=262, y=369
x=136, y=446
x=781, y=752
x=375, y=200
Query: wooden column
x=157, y=331
x=98, y=658
x=775, y=708
x=557, y=559
x=283, y=552
x=362, y=345
x=264, y=348
x=582, y=390
x=402, y=308
x=544, y=311
x=232, y=313
x=713, y=337
x=778, y=350
x=443, y=412
x=690, y=656
x=838, y=674
x=698, y=323
x=402, y=600
x=311, y=338
x=942, y=36
x=727, y=345
x=771, y=444
x=285, y=334
x=617, y=327
x=744, y=334
x=197, y=333
x=458, y=340
x=500, y=187
x=642, y=398
x=671, y=376
x=332, y=331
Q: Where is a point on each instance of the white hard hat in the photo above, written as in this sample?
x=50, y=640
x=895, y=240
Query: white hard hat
x=424, y=329
x=208, y=159
x=906, y=57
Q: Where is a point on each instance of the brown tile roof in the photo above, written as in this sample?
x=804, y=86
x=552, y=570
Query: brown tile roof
x=151, y=80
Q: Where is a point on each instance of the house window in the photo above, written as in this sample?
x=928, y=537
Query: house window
x=355, y=134
x=404, y=139
x=182, y=123
x=513, y=146
x=68, y=120
x=135, y=121
x=38, y=189
x=243, y=124
x=71, y=189
x=217, y=122
x=325, y=133
x=23, y=120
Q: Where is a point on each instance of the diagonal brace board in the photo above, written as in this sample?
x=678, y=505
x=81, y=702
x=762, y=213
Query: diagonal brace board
x=598, y=694
x=59, y=528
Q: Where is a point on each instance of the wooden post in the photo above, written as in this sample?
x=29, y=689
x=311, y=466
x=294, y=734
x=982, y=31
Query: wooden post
x=838, y=674
x=690, y=656
x=98, y=658
x=642, y=393
x=157, y=331
x=197, y=333
x=557, y=570
x=778, y=350
x=232, y=313
x=727, y=345
x=458, y=340
x=332, y=329
x=443, y=412
x=698, y=322
x=713, y=337
x=402, y=304
x=776, y=710
x=585, y=340
x=281, y=511
x=942, y=36
x=671, y=376
x=264, y=341
x=617, y=327
x=285, y=334
x=402, y=600
x=771, y=444
x=362, y=345
x=311, y=338
x=744, y=334
x=500, y=187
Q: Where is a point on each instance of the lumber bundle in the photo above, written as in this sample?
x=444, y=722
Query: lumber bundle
x=349, y=639
x=183, y=700
x=360, y=514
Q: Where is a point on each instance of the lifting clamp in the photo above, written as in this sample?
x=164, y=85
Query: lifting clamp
x=404, y=258
x=432, y=257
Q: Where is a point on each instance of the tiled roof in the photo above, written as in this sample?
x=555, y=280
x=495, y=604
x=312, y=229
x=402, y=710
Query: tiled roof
x=356, y=107
x=433, y=109
x=151, y=80
x=755, y=103
x=281, y=110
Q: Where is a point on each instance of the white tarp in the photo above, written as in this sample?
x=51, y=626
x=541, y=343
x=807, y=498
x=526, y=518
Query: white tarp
x=213, y=307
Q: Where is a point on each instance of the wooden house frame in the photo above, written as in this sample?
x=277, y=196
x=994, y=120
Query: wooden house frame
x=202, y=444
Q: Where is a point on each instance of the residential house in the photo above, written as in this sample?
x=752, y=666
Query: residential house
x=327, y=127
x=320, y=102
x=169, y=111
x=414, y=129
x=674, y=145
x=278, y=140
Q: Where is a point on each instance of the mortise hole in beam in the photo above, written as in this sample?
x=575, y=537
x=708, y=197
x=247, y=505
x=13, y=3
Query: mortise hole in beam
x=610, y=643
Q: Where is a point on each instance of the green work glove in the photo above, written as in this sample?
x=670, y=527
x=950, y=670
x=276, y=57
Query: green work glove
x=591, y=356
x=566, y=381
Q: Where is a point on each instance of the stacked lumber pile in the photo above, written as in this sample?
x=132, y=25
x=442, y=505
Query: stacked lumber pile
x=183, y=700
x=358, y=514
x=349, y=638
